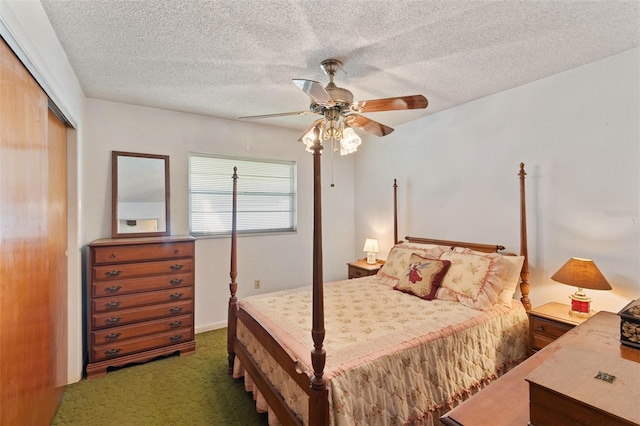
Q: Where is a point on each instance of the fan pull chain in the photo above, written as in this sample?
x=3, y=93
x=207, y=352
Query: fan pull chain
x=332, y=184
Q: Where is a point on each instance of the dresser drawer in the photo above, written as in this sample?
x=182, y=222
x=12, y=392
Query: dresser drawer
x=356, y=272
x=134, y=285
x=114, y=303
x=545, y=331
x=141, y=252
x=116, y=349
x=548, y=328
x=128, y=316
x=117, y=334
x=127, y=270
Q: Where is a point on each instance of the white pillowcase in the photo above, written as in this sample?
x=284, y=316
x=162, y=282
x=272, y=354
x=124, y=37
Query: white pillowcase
x=510, y=279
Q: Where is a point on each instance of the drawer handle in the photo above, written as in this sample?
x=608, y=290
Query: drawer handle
x=112, y=256
x=112, y=320
x=176, y=281
x=176, y=251
x=540, y=327
x=176, y=338
x=175, y=324
x=112, y=336
x=175, y=296
x=176, y=267
x=112, y=305
x=176, y=310
x=112, y=352
x=112, y=273
x=113, y=289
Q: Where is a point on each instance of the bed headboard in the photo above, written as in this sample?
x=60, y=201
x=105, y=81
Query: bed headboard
x=485, y=248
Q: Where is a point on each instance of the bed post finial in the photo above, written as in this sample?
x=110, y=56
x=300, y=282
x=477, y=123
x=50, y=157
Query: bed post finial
x=233, y=285
x=524, y=274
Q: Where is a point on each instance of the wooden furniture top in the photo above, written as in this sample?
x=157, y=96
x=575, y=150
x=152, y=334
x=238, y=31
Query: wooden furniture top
x=362, y=264
x=140, y=240
x=507, y=398
x=555, y=311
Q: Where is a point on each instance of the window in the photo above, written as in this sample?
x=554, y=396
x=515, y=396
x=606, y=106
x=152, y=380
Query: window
x=266, y=195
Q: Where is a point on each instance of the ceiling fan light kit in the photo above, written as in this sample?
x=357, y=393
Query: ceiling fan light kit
x=340, y=113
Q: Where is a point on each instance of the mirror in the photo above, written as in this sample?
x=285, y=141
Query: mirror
x=140, y=195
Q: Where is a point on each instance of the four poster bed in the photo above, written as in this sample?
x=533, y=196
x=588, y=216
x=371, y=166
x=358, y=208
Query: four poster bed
x=437, y=323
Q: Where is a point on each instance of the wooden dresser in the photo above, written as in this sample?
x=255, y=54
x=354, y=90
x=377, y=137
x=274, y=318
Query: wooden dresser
x=506, y=400
x=140, y=300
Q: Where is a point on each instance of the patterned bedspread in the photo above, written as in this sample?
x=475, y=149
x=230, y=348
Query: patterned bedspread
x=392, y=358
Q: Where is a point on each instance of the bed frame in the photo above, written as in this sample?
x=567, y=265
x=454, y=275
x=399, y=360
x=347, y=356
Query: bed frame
x=315, y=385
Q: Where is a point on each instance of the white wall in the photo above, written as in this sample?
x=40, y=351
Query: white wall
x=279, y=261
x=578, y=133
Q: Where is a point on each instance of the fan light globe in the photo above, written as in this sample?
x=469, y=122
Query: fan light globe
x=350, y=141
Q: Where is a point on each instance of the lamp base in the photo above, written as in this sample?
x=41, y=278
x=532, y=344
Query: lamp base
x=371, y=258
x=580, y=304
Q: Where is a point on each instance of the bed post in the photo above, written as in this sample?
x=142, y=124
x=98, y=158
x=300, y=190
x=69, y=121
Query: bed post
x=395, y=211
x=319, y=396
x=524, y=274
x=233, y=286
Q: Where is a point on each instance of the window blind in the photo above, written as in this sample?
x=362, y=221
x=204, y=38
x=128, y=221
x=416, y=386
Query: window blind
x=266, y=195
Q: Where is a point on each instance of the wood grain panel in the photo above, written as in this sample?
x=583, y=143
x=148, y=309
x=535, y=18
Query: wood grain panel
x=57, y=232
x=32, y=263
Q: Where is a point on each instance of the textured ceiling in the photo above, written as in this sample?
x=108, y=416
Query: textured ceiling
x=231, y=58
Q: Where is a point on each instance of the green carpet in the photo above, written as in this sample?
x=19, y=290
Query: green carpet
x=190, y=390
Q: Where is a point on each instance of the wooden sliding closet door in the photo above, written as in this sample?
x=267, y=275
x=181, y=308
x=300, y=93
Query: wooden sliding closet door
x=33, y=238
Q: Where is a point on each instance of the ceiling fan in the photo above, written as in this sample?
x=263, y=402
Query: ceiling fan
x=340, y=112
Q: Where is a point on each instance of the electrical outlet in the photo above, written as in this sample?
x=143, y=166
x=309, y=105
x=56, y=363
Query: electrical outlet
x=256, y=284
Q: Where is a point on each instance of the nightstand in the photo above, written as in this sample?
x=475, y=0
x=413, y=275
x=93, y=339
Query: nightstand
x=548, y=322
x=360, y=268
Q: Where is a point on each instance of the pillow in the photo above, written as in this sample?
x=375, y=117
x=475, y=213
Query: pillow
x=511, y=274
x=398, y=261
x=475, y=280
x=422, y=276
x=510, y=279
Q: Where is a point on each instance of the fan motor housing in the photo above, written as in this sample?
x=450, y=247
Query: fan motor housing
x=340, y=95
x=342, y=99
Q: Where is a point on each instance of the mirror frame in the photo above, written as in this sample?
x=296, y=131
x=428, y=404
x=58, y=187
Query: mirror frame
x=114, y=195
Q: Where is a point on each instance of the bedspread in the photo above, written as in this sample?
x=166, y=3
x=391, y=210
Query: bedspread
x=392, y=358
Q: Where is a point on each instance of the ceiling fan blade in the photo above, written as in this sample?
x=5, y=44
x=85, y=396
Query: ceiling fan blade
x=281, y=114
x=368, y=125
x=390, y=104
x=315, y=91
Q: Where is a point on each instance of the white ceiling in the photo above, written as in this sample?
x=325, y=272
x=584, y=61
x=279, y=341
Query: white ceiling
x=231, y=58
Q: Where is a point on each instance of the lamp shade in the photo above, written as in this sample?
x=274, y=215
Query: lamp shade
x=581, y=273
x=371, y=245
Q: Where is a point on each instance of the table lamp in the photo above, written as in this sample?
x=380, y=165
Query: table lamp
x=371, y=247
x=581, y=273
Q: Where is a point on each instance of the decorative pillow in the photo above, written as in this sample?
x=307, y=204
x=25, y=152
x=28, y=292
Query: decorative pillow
x=512, y=266
x=511, y=278
x=475, y=280
x=398, y=261
x=422, y=277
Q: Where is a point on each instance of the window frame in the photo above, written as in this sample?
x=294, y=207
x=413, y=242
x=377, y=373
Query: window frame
x=292, y=194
